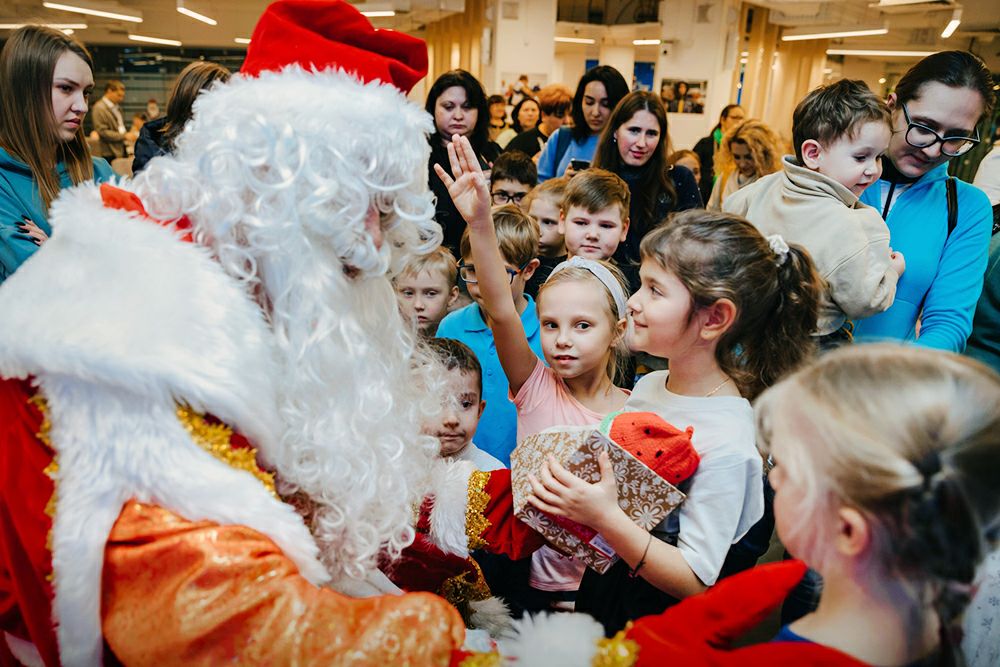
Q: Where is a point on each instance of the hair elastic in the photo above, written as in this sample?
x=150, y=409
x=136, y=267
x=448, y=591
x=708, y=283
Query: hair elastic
x=602, y=274
x=778, y=247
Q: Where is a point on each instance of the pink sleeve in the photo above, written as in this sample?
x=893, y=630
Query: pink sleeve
x=539, y=388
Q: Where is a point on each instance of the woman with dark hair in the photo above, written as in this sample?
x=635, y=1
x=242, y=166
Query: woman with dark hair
x=633, y=145
x=554, y=101
x=941, y=225
x=598, y=92
x=525, y=116
x=706, y=148
x=46, y=77
x=157, y=136
x=458, y=104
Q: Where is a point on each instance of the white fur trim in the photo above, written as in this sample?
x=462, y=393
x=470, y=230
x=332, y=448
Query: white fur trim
x=492, y=615
x=553, y=640
x=451, y=499
x=112, y=363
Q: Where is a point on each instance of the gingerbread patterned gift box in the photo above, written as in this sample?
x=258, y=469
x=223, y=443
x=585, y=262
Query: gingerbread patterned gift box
x=650, y=458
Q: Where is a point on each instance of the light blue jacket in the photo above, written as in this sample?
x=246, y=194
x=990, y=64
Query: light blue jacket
x=20, y=200
x=944, y=275
x=547, y=167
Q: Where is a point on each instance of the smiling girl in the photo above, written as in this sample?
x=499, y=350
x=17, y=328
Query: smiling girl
x=581, y=309
x=42, y=145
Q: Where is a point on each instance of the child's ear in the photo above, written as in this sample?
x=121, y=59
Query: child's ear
x=561, y=227
x=717, y=318
x=482, y=406
x=529, y=269
x=625, y=222
x=853, y=532
x=890, y=100
x=812, y=151
x=453, y=297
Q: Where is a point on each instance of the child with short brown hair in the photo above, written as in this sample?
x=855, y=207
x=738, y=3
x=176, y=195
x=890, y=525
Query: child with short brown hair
x=426, y=288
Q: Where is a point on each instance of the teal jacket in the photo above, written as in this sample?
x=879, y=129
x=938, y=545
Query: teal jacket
x=20, y=201
x=944, y=274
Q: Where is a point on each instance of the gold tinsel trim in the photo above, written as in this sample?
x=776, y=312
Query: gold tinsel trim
x=215, y=439
x=51, y=470
x=619, y=651
x=475, y=519
x=463, y=588
x=482, y=660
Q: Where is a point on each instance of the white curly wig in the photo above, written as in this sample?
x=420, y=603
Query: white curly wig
x=277, y=174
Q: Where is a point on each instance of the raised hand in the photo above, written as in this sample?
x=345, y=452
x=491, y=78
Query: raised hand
x=468, y=189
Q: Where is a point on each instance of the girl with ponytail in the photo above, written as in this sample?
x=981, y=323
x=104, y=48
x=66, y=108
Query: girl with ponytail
x=885, y=467
x=733, y=312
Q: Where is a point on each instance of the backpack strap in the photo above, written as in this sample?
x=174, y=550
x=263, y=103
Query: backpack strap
x=952, y=191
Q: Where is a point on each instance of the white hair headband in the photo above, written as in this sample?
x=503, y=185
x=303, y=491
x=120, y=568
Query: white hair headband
x=602, y=274
x=778, y=247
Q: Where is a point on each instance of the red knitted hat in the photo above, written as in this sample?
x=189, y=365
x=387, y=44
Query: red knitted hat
x=666, y=450
x=331, y=33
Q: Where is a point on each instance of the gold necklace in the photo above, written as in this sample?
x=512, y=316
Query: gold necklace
x=724, y=382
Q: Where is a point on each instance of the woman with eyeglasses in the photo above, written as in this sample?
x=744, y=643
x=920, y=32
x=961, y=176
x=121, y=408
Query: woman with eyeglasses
x=941, y=225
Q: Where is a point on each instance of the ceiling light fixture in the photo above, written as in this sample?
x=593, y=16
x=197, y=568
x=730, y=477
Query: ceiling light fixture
x=574, y=40
x=793, y=37
x=881, y=79
x=93, y=12
x=876, y=52
x=242, y=40
x=181, y=9
x=54, y=26
x=385, y=14
x=645, y=42
x=154, y=40
x=956, y=19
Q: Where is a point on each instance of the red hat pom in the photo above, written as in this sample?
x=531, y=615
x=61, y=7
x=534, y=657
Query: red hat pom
x=320, y=34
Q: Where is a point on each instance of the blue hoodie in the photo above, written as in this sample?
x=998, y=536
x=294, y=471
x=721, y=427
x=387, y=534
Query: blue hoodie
x=944, y=274
x=20, y=200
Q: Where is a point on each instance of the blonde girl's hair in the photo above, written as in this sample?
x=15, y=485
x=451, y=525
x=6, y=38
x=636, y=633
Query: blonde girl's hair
x=909, y=437
x=722, y=256
x=618, y=360
x=764, y=145
x=27, y=127
x=440, y=261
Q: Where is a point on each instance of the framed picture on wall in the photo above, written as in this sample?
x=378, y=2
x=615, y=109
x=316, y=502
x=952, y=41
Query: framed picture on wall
x=683, y=95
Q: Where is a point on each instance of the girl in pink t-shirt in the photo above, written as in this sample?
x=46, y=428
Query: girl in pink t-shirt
x=581, y=310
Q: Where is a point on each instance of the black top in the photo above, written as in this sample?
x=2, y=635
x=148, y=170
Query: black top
x=151, y=143
x=705, y=150
x=446, y=215
x=529, y=142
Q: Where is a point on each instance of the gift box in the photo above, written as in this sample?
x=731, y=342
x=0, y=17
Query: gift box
x=642, y=493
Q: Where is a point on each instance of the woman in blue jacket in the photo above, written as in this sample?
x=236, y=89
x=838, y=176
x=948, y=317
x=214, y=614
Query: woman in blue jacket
x=42, y=145
x=936, y=108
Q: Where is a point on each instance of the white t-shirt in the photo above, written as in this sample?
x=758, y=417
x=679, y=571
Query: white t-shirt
x=483, y=461
x=726, y=494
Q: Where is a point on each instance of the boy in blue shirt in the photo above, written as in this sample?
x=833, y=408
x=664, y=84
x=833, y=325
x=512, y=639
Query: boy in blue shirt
x=518, y=239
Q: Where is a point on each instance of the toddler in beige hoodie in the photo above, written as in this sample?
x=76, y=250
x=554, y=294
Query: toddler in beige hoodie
x=840, y=132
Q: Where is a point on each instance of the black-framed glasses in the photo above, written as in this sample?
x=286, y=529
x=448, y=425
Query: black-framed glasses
x=468, y=272
x=501, y=197
x=921, y=136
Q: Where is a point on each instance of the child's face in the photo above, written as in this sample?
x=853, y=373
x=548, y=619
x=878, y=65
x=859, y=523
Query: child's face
x=577, y=334
x=790, y=493
x=661, y=324
x=854, y=162
x=692, y=164
x=593, y=235
x=424, y=299
x=460, y=412
x=517, y=283
x=743, y=159
x=507, y=191
x=550, y=240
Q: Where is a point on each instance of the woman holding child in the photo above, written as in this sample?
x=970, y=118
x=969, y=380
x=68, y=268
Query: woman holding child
x=936, y=108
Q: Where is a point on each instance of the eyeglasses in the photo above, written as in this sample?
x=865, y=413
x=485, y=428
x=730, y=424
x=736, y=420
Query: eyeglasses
x=468, y=272
x=501, y=197
x=921, y=136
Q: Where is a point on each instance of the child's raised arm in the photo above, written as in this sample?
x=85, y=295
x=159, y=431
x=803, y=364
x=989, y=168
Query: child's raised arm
x=469, y=192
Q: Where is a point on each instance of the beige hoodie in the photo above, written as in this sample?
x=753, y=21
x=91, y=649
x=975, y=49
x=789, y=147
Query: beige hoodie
x=848, y=240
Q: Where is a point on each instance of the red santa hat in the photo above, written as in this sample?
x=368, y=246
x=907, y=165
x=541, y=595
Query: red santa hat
x=665, y=449
x=320, y=34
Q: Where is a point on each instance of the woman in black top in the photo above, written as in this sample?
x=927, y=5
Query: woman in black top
x=634, y=146
x=457, y=102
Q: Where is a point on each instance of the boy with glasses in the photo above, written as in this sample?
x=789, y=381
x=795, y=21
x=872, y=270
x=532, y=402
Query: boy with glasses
x=517, y=235
x=513, y=176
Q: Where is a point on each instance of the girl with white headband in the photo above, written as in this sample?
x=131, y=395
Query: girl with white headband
x=582, y=312
x=732, y=311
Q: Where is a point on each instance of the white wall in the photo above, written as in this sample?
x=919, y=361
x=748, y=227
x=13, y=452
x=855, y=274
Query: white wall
x=523, y=45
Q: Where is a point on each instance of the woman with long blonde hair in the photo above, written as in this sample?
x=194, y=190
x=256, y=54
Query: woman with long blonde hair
x=750, y=150
x=42, y=145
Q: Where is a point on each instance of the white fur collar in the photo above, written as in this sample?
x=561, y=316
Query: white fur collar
x=118, y=321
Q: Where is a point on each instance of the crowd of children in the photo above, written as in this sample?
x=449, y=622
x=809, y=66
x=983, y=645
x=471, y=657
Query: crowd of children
x=732, y=301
